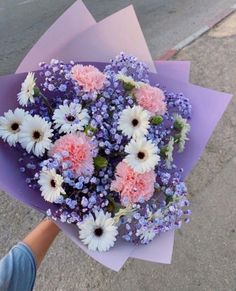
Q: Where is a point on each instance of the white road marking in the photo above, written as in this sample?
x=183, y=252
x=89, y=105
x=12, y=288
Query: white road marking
x=26, y=2
x=191, y=38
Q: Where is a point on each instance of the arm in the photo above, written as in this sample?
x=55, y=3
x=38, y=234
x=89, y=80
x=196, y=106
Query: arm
x=18, y=267
x=40, y=239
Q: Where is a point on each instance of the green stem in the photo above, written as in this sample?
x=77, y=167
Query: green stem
x=46, y=102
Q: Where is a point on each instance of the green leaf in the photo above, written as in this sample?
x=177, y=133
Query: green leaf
x=128, y=86
x=177, y=138
x=36, y=91
x=113, y=206
x=156, y=120
x=178, y=126
x=89, y=128
x=169, y=199
x=163, y=152
x=100, y=162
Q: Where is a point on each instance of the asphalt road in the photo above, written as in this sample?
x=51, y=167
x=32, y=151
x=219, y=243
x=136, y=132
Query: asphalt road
x=205, y=250
x=164, y=22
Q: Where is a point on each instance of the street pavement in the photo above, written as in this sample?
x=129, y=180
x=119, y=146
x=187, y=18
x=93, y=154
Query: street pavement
x=205, y=250
x=164, y=22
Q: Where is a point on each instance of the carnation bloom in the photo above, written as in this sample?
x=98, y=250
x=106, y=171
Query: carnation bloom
x=79, y=151
x=131, y=185
x=151, y=99
x=88, y=77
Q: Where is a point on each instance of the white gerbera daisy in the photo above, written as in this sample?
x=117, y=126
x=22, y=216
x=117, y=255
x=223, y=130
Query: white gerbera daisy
x=27, y=90
x=183, y=128
x=134, y=122
x=51, y=185
x=98, y=233
x=70, y=118
x=142, y=155
x=35, y=134
x=10, y=125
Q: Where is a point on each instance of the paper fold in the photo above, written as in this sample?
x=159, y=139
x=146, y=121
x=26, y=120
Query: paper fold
x=69, y=25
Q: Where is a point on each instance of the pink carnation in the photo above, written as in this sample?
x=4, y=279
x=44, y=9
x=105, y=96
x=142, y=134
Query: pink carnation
x=133, y=186
x=151, y=99
x=88, y=77
x=79, y=152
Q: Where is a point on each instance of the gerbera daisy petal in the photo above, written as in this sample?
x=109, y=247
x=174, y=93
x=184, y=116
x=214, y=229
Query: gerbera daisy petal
x=10, y=125
x=96, y=233
x=142, y=155
x=134, y=122
x=70, y=118
x=35, y=135
x=51, y=185
x=26, y=94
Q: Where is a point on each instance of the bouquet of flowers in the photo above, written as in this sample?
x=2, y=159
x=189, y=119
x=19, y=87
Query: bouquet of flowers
x=103, y=147
x=102, y=150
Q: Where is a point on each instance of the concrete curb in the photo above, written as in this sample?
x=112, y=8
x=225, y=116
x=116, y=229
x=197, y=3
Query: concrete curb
x=188, y=40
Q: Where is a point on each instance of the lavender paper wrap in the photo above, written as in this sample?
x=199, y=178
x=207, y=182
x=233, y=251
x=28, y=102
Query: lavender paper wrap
x=139, y=47
x=15, y=185
x=96, y=43
x=68, y=26
x=208, y=107
x=204, y=102
x=161, y=249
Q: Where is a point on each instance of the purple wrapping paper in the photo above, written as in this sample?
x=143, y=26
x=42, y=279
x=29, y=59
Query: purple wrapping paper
x=208, y=107
x=98, y=42
x=173, y=75
x=72, y=22
x=205, y=102
x=177, y=70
